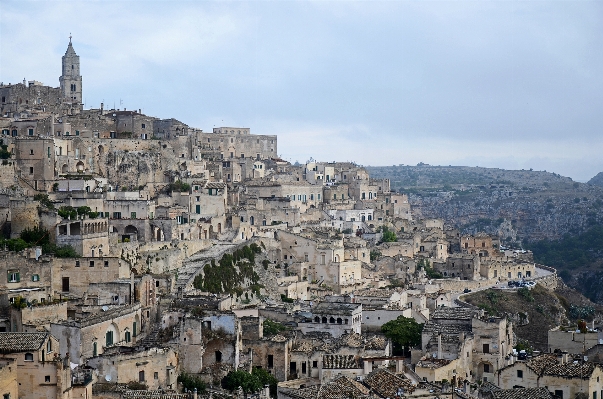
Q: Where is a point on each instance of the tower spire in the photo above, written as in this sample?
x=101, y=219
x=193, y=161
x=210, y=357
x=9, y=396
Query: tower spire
x=69, y=37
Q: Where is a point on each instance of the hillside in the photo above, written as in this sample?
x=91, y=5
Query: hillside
x=597, y=180
x=517, y=205
x=535, y=311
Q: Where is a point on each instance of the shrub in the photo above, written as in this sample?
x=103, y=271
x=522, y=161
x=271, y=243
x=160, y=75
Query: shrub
x=191, y=382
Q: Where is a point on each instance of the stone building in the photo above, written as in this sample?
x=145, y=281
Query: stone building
x=239, y=143
x=335, y=318
x=94, y=334
x=41, y=372
x=560, y=374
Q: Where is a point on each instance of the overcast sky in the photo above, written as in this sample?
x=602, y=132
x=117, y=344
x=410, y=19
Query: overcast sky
x=506, y=84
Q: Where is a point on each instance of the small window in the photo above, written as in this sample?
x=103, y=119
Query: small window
x=156, y=375
x=31, y=170
x=486, y=348
x=35, y=277
x=31, y=152
x=486, y=368
x=519, y=373
x=91, y=263
x=106, y=263
x=128, y=337
x=315, y=364
x=29, y=357
x=47, y=378
x=13, y=276
x=77, y=263
x=141, y=376
x=132, y=215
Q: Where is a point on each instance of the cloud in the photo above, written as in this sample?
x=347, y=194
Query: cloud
x=507, y=84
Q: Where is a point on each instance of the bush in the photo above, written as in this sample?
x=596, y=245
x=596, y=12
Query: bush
x=285, y=299
x=191, y=382
x=178, y=185
x=273, y=327
x=44, y=200
x=526, y=294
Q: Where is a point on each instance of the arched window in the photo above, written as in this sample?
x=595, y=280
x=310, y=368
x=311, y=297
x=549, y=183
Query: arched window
x=317, y=319
x=332, y=320
x=324, y=319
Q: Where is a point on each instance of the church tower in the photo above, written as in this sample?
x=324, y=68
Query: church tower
x=71, y=80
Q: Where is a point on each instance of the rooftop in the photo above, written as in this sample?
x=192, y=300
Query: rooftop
x=15, y=342
x=522, y=393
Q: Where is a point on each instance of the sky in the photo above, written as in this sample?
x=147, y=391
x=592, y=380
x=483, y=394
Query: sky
x=507, y=84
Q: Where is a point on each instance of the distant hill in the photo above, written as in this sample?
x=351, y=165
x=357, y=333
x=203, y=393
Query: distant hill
x=597, y=180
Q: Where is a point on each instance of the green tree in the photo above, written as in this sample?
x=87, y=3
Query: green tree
x=404, y=332
x=388, y=235
x=272, y=327
x=265, y=378
x=240, y=378
x=191, y=382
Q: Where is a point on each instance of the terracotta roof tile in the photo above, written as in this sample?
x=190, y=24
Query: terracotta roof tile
x=14, y=342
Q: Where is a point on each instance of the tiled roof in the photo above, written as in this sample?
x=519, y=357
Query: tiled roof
x=487, y=386
x=539, y=363
x=140, y=394
x=522, y=393
x=386, y=384
x=342, y=388
x=432, y=363
x=453, y=313
x=571, y=370
x=14, y=342
x=339, y=362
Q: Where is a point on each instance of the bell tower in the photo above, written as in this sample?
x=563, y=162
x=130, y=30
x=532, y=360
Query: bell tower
x=71, y=80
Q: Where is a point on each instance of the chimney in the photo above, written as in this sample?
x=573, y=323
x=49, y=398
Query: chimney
x=102, y=107
x=439, y=346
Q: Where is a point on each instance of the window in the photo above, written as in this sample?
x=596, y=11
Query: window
x=6, y=395
x=94, y=349
x=106, y=263
x=29, y=357
x=156, y=375
x=77, y=263
x=35, y=277
x=315, y=364
x=65, y=284
x=519, y=373
x=13, y=276
x=91, y=263
x=109, y=338
x=116, y=215
x=128, y=338
x=144, y=126
x=47, y=378
x=132, y=215
x=486, y=348
x=30, y=131
x=141, y=376
x=559, y=393
x=31, y=170
x=270, y=361
x=30, y=152
x=49, y=346
x=486, y=368
x=594, y=394
x=134, y=329
x=197, y=208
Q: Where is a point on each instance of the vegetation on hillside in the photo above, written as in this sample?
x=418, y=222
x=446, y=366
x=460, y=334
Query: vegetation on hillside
x=231, y=271
x=533, y=312
x=38, y=237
